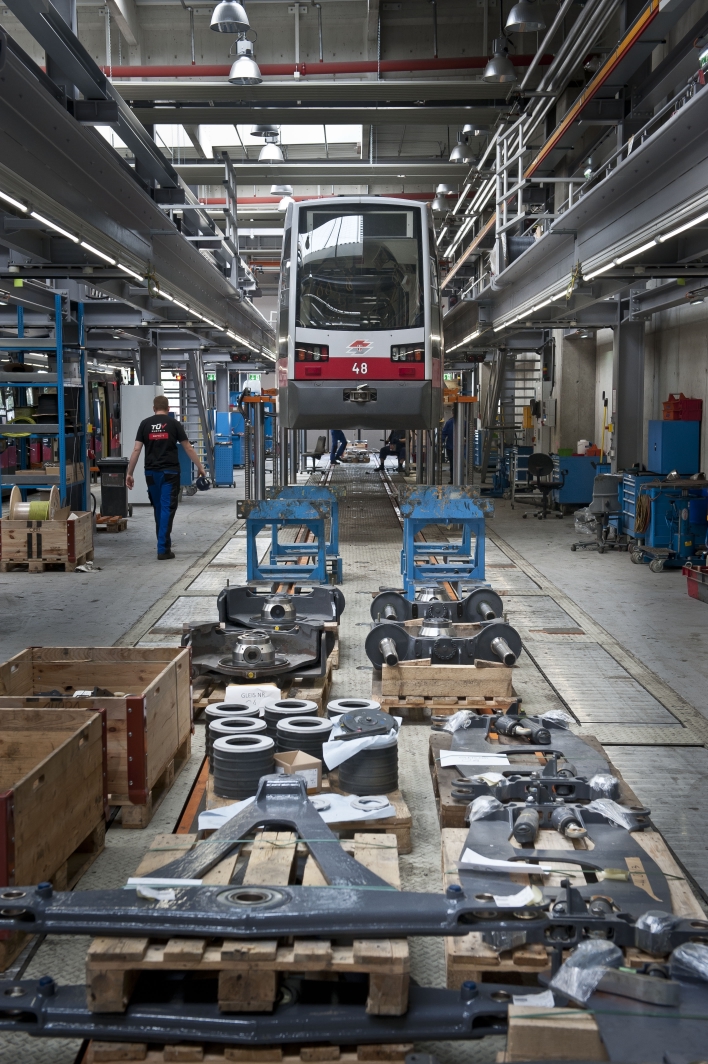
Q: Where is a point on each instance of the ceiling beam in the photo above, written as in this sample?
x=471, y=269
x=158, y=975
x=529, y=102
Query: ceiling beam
x=125, y=13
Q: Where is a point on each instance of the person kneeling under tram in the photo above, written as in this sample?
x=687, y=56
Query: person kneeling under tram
x=395, y=444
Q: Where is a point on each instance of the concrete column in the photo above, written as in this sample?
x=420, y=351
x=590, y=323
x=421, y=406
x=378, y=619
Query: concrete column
x=150, y=368
x=575, y=391
x=222, y=389
x=628, y=394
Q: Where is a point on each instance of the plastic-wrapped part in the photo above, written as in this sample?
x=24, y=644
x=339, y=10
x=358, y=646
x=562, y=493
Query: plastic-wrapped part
x=626, y=818
x=585, y=522
x=481, y=807
x=652, y=931
x=504, y=940
x=604, y=785
x=461, y=719
x=690, y=963
x=557, y=716
x=585, y=967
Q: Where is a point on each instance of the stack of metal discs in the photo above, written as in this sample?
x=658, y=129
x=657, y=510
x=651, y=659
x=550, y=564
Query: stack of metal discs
x=239, y=762
x=221, y=710
x=279, y=708
x=373, y=770
x=337, y=706
x=231, y=726
x=303, y=733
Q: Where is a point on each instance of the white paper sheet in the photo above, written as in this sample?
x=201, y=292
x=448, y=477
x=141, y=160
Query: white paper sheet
x=340, y=811
x=472, y=859
x=467, y=757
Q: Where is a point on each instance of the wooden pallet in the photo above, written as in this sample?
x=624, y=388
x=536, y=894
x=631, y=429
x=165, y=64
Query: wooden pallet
x=139, y=816
x=399, y=825
x=111, y=524
x=248, y=971
x=66, y=877
x=423, y=707
x=38, y=565
x=468, y=957
x=132, y=1053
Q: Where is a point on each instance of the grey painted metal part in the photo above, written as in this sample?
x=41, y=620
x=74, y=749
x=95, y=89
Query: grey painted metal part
x=302, y=649
x=42, y=1008
x=482, y=604
x=390, y=643
x=247, y=607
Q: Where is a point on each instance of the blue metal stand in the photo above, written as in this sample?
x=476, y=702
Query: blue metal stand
x=314, y=494
x=288, y=513
x=422, y=506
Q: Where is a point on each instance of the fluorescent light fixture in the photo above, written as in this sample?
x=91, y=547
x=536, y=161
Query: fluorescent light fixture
x=636, y=252
x=95, y=251
x=13, y=202
x=131, y=273
x=681, y=228
x=166, y=295
x=467, y=340
x=539, y=306
x=53, y=225
x=178, y=304
x=602, y=269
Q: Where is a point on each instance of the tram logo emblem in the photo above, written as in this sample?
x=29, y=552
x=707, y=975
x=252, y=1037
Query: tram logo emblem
x=359, y=347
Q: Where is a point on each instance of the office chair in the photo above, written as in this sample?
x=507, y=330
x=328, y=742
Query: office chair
x=541, y=465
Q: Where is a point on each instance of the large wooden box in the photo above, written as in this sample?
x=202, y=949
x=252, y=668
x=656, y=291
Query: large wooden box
x=486, y=680
x=51, y=789
x=145, y=691
x=68, y=538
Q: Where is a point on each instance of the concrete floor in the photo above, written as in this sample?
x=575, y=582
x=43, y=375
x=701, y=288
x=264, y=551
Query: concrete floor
x=647, y=615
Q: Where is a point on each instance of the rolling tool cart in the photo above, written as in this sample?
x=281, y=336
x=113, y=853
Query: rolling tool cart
x=671, y=519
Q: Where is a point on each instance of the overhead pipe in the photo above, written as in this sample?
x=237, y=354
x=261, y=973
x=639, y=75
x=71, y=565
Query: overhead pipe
x=319, y=27
x=424, y=197
x=363, y=66
x=435, y=27
x=562, y=11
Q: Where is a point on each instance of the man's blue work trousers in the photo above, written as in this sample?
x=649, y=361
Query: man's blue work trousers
x=339, y=445
x=163, y=489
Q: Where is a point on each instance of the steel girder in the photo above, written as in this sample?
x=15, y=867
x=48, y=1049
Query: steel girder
x=315, y=92
x=68, y=172
x=347, y=172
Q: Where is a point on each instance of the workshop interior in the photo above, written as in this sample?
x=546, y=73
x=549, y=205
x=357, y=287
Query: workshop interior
x=353, y=362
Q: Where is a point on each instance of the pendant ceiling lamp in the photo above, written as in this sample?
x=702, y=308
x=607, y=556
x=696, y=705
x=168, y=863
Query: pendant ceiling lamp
x=499, y=69
x=245, y=70
x=525, y=17
x=229, y=17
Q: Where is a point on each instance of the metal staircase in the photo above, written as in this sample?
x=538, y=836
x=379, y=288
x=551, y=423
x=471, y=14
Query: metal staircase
x=197, y=426
x=513, y=383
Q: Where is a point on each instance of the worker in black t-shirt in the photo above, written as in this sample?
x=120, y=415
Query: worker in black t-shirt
x=159, y=435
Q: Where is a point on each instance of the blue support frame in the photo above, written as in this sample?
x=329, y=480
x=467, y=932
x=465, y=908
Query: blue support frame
x=309, y=493
x=426, y=505
x=289, y=513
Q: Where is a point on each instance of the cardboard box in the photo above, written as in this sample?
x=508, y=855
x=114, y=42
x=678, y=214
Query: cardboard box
x=296, y=763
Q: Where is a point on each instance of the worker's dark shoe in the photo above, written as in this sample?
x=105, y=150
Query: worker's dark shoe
x=164, y=557
x=335, y=462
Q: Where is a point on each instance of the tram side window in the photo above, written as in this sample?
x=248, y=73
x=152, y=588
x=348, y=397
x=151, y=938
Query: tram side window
x=284, y=297
x=360, y=270
x=434, y=282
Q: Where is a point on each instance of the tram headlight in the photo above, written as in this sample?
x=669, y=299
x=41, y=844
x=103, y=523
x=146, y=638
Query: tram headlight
x=311, y=353
x=408, y=353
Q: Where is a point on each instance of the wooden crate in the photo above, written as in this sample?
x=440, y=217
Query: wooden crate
x=147, y=701
x=67, y=541
x=52, y=812
x=468, y=957
x=248, y=971
x=131, y=1053
x=552, y=1034
x=423, y=679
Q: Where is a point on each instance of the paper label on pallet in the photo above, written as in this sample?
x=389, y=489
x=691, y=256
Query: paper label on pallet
x=463, y=757
x=252, y=694
x=538, y=1001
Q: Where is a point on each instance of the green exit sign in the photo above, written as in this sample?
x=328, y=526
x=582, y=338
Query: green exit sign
x=211, y=376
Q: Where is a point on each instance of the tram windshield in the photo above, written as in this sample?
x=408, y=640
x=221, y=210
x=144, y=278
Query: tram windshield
x=360, y=268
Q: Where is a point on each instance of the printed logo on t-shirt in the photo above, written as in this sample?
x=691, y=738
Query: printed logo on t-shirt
x=157, y=431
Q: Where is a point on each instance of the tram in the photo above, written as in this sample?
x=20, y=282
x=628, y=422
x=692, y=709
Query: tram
x=359, y=323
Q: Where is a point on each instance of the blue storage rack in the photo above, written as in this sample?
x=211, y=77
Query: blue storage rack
x=56, y=346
